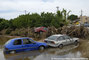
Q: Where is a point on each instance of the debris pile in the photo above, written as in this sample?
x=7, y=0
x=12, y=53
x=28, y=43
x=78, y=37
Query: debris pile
x=73, y=31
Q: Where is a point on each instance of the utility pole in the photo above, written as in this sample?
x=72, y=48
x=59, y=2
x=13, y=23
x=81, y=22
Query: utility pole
x=25, y=12
x=81, y=12
x=81, y=17
x=57, y=8
x=27, y=23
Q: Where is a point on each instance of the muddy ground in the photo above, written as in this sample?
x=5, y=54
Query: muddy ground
x=70, y=51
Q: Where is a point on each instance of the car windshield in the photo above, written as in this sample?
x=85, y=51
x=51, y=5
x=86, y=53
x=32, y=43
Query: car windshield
x=45, y=28
x=7, y=42
x=53, y=37
x=31, y=40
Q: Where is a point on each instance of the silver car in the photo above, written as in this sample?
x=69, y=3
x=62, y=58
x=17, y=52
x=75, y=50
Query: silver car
x=60, y=40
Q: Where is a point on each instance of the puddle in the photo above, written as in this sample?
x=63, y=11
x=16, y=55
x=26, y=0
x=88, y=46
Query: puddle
x=48, y=54
x=70, y=51
x=1, y=55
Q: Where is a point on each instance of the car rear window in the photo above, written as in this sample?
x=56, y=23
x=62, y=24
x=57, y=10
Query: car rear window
x=53, y=37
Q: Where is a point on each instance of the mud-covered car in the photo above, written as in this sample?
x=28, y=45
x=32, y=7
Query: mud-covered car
x=23, y=44
x=60, y=40
x=40, y=29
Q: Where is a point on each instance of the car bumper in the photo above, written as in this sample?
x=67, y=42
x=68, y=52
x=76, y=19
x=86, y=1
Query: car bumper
x=6, y=52
x=52, y=45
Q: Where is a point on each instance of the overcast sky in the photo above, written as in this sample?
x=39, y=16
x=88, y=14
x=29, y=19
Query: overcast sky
x=13, y=8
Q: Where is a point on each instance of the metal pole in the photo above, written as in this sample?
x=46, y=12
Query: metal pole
x=57, y=8
x=25, y=12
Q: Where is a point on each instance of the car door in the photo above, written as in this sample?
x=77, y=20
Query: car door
x=28, y=44
x=17, y=45
x=71, y=40
x=67, y=38
x=62, y=40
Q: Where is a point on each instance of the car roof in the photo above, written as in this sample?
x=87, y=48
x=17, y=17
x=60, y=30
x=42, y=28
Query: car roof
x=19, y=38
x=57, y=35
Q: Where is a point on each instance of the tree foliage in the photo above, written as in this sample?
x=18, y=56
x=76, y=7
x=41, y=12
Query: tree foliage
x=47, y=19
x=73, y=17
x=3, y=24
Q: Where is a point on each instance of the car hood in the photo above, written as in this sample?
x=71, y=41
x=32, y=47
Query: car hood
x=41, y=43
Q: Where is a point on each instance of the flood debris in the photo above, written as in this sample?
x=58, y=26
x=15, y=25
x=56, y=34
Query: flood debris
x=76, y=31
x=73, y=31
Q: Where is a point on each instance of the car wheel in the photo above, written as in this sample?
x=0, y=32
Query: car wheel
x=76, y=43
x=60, y=46
x=12, y=52
x=41, y=48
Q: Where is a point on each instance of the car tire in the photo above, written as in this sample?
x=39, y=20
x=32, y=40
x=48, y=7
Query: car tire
x=76, y=43
x=12, y=52
x=41, y=48
x=60, y=46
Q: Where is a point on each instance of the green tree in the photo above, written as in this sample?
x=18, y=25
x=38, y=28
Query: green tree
x=65, y=14
x=73, y=17
x=4, y=24
x=46, y=19
x=1, y=19
x=34, y=20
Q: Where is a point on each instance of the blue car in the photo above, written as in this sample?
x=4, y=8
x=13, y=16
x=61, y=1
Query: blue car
x=23, y=44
